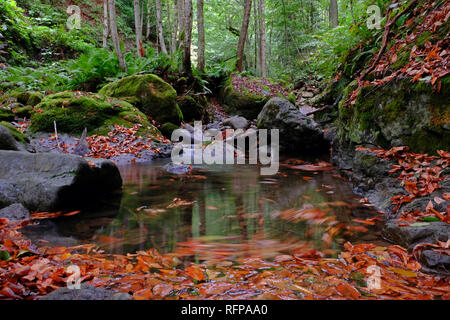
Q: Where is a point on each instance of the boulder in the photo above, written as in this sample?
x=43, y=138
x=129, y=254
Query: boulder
x=86, y=292
x=75, y=111
x=244, y=104
x=7, y=141
x=298, y=133
x=148, y=93
x=27, y=98
x=416, y=233
x=236, y=122
x=401, y=113
x=49, y=181
x=6, y=114
x=177, y=168
x=15, y=211
x=167, y=129
x=191, y=108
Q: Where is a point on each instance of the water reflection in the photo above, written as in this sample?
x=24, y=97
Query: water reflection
x=234, y=211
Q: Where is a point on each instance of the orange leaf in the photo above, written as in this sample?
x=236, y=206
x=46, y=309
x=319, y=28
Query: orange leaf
x=196, y=273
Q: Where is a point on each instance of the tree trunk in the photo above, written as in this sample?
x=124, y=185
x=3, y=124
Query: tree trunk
x=243, y=34
x=171, y=27
x=115, y=35
x=138, y=26
x=187, y=67
x=201, y=36
x=262, y=38
x=334, y=20
x=175, y=27
x=149, y=11
x=257, y=52
x=162, y=43
x=311, y=15
x=105, y=24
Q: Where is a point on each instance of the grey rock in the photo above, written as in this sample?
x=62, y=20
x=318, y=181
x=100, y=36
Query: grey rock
x=435, y=261
x=82, y=147
x=7, y=141
x=236, y=122
x=410, y=236
x=177, y=168
x=298, y=132
x=15, y=212
x=86, y=292
x=49, y=181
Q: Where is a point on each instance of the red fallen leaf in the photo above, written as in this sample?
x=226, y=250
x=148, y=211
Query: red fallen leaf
x=348, y=290
x=196, y=273
x=71, y=213
x=144, y=294
x=162, y=290
x=411, y=187
x=321, y=166
x=368, y=221
x=7, y=292
x=108, y=239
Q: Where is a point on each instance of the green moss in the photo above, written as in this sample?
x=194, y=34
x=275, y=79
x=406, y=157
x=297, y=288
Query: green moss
x=191, y=107
x=6, y=114
x=30, y=98
x=19, y=136
x=246, y=104
x=74, y=111
x=23, y=112
x=403, y=57
x=292, y=98
x=168, y=128
x=410, y=113
x=148, y=93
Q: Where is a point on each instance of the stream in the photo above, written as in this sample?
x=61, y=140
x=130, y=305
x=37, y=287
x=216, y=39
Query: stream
x=221, y=212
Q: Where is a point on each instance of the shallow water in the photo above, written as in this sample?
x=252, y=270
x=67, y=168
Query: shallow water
x=232, y=211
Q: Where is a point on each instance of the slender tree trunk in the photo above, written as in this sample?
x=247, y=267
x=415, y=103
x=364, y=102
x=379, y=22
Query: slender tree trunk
x=257, y=52
x=138, y=26
x=105, y=24
x=262, y=39
x=311, y=15
x=187, y=66
x=334, y=20
x=115, y=35
x=243, y=34
x=149, y=11
x=162, y=43
x=171, y=27
x=175, y=28
x=181, y=21
x=201, y=36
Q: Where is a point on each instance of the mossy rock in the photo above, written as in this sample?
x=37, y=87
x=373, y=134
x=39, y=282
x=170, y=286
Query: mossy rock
x=399, y=113
x=191, y=107
x=18, y=136
x=245, y=104
x=168, y=128
x=28, y=98
x=6, y=114
x=23, y=112
x=74, y=111
x=292, y=98
x=150, y=94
